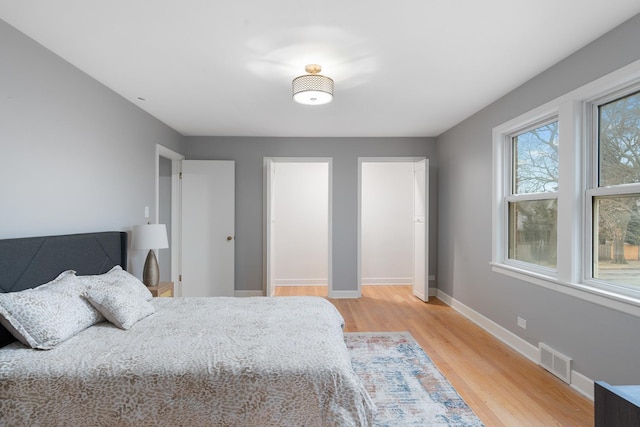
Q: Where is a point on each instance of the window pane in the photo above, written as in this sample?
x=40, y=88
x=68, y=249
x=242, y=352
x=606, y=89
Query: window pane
x=618, y=141
x=533, y=232
x=535, y=160
x=616, y=239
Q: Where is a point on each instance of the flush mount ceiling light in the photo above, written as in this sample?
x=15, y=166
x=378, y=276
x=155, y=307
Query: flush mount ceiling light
x=312, y=88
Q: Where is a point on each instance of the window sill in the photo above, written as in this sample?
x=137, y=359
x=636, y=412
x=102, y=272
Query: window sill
x=623, y=303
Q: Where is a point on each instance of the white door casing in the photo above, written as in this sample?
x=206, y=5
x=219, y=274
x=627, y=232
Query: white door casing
x=270, y=222
x=420, y=249
x=208, y=236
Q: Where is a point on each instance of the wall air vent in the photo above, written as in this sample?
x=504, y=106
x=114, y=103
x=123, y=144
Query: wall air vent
x=555, y=362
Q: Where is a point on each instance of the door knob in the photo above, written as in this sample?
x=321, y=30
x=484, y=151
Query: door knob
x=229, y=238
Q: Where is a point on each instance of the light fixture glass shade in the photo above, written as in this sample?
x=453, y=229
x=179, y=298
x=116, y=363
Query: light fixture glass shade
x=312, y=89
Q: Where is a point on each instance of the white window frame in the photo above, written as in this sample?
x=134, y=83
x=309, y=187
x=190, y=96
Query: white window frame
x=510, y=197
x=593, y=190
x=576, y=161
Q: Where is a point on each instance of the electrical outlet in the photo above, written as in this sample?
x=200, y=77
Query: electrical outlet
x=522, y=322
x=146, y=211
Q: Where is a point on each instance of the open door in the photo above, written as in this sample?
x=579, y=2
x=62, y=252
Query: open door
x=420, y=231
x=208, y=238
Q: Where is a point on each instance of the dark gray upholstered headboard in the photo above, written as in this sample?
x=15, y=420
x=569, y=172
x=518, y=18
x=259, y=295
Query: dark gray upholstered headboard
x=31, y=261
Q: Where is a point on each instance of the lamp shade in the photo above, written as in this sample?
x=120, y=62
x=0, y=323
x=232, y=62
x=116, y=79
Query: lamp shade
x=149, y=236
x=312, y=88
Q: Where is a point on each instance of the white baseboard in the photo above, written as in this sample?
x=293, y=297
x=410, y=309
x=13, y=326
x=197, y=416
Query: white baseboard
x=387, y=280
x=443, y=297
x=302, y=282
x=579, y=382
x=582, y=384
x=248, y=293
x=344, y=294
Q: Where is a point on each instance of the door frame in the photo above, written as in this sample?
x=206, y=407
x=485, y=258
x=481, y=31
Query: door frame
x=422, y=295
x=267, y=193
x=176, y=203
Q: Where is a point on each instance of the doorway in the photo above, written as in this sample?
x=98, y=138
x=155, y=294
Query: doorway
x=392, y=223
x=167, y=209
x=297, y=226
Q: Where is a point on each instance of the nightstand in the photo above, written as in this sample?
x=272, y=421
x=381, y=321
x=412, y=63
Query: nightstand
x=164, y=289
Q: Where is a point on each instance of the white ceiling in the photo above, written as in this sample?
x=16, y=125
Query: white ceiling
x=401, y=68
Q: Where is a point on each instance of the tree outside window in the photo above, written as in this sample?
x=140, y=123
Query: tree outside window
x=532, y=218
x=617, y=218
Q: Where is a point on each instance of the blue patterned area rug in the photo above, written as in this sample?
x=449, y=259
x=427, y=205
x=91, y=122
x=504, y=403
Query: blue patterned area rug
x=404, y=383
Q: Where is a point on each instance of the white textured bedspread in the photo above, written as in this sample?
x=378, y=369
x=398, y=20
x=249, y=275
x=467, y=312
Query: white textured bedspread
x=195, y=362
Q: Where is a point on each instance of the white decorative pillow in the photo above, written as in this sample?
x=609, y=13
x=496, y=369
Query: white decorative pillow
x=117, y=278
x=119, y=306
x=45, y=316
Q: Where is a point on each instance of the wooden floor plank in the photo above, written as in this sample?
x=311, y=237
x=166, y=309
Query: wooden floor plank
x=502, y=387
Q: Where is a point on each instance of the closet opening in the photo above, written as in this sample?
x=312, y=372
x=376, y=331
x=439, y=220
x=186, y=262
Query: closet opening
x=393, y=223
x=298, y=226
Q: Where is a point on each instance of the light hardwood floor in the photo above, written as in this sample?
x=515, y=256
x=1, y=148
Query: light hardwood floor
x=501, y=386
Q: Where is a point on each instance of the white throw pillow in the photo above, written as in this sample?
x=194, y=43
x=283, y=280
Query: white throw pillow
x=119, y=306
x=45, y=316
x=117, y=278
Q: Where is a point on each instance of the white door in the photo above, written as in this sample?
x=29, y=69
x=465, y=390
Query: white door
x=208, y=241
x=420, y=249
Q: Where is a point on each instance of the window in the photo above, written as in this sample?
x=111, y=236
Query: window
x=566, y=193
x=615, y=192
x=532, y=204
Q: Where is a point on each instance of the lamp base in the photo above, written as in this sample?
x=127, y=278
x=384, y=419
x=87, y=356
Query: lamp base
x=151, y=272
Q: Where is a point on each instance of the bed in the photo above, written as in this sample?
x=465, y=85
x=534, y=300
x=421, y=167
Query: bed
x=185, y=361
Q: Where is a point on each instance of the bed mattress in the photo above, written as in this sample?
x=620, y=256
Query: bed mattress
x=194, y=362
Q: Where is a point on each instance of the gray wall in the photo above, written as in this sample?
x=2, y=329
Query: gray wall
x=249, y=154
x=74, y=156
x=605, y=344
